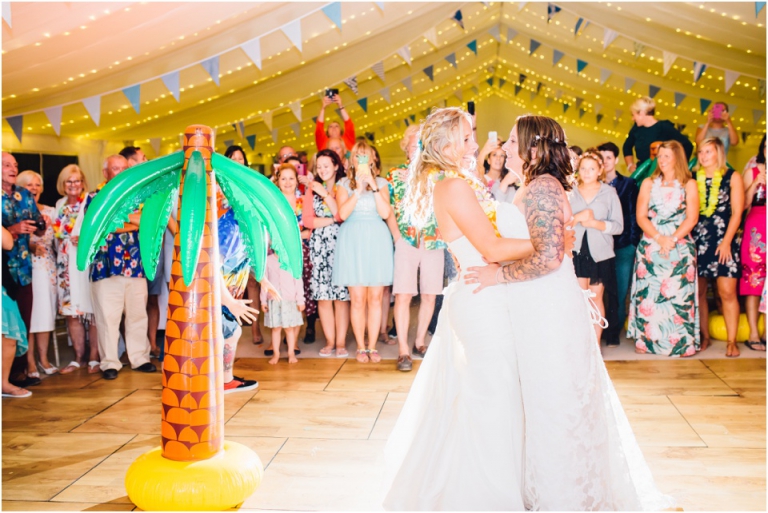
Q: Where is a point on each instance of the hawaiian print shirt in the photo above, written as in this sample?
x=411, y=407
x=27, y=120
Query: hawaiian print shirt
x=17, y=207
x=119, y=256
x=429, y=234
x=235, y=264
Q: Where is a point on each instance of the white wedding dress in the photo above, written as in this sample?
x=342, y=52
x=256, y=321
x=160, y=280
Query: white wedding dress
x=580, y=451
x=458, y=443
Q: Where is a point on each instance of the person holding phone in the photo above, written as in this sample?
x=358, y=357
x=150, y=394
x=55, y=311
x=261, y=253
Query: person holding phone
x=719, y=124
x=334, y=128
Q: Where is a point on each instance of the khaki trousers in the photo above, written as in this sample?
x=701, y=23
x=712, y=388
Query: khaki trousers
x=111, y=297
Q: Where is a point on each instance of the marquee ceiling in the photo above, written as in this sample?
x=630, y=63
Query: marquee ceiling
x=59, y=54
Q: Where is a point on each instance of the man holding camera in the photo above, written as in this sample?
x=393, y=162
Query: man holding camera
x=334, y=129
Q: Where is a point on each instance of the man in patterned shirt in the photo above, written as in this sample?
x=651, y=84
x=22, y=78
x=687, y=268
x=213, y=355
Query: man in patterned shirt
x=116, y=289
x=419, y=262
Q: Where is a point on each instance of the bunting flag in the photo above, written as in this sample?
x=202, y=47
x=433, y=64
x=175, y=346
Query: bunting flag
x=382, y=130
x=17, y=125
x=475, y=90
x=293, y=32
x=534, y=46
x=609, y=36
x=472, y=45
x=239, y=128
x=458, y=18
x=579, y=23
x=93, y=106
x=228, y=143
x=495, y=32
x=385, y=93
x=522, y=78
x=397, y=123
x=314, y=119
x=579, y=101
x=252, y=49
x=132, y=93
x=520, y=5
x=744, y=136
x=619, y=112
x=296, y=127
x=669, y=60
x=599, y=118
x=212, y=67
x=430, y=72
x=451, y=58
x=704, y=103
x=556, y=56
x=171, y=81
x=580, y=65
x=758, y=7
x=333, y=11
x=598, y=107
x=581, y=113
x=605, y=74
x=274, y=134
x=502, y=81
x=639, y=48
x=565, y=107
x=267, y=117
x=533, y=95
x=490, y=81
x=679, y=97
x=628, y=83
x=251, y=141
x=558, y=94
x=517, y=89
x=296, y=109
x=761, y=87
x=757, y=115
x=407, y=123
x=363, y=102
x=413, y=117
x=511, y=34
x=380, y=5
x=538, y=87
x=732, y=108
x=378, y=68
x=155, y=142
x=431, y=36
x=615, y=123
x=549, y=101
x=408, y=83
x=730, y=79
x=405, y=53
x=7, y=17
x=458, y=93
x=653, y=90
x=351, y=82
x=552, y=9
x=698, y=70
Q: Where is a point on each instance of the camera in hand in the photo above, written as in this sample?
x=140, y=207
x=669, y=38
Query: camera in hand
x=40, y=224
x=330, y=93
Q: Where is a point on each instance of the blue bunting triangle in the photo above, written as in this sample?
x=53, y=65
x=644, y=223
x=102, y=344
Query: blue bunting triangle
x=459, y=19
x=705, y=105
x=556, y=56
x=758, y=7
x=17, y=125
x=599, y=118
x=490, y=81
x=363, y=102
x=333, y=11
x=430, y=72
x=679, y=97
x=472, y=45
x=653, y=90
x=132, y=93
x=565, y=107
x=413, y=117
x=517, y=88
x=251, y=141
x=580, y=65
x=534, y=46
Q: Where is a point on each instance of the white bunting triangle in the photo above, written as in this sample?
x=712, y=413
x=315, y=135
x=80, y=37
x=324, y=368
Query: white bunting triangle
x=7, y=13
x=378, y=68
x=669, y=60
x=730, y=79
x=604, y=75
x=296, y=127
x=293, y=31
x=458, y=93
x=93, y=106
x=296, y=109
x=431, y=36
x=267, y=117
x=171, y=81
x=155, y=142
x=495, y=32
x=608, y=37
x=54, y=116
x=408, y=83
x=385, y=93
x=253, y=50
x=274, y=135
x=405, y=53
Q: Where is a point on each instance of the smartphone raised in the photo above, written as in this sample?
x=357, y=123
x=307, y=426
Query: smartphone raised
x=471, y=108
x=717, y=111
x=493, y=136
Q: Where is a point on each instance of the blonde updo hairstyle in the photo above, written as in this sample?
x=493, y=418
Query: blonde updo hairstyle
x=361, y=148
x=441, y=139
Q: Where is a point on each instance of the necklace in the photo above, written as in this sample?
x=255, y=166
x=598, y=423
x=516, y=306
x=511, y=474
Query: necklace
x=483, y=195
x=708, y=203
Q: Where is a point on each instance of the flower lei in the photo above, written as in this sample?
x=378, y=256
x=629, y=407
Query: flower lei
x=708, y=204
x=483, y=195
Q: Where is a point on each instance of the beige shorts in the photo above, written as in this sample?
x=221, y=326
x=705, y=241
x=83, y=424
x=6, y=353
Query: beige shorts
x=422, y=267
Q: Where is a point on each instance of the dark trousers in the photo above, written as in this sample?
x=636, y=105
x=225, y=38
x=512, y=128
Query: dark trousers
x=616, y=293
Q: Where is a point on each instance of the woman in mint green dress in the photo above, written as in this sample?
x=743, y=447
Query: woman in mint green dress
x=14, y=332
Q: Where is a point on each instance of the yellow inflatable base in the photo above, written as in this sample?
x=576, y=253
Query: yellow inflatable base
x=717, y=327
x=155, y=483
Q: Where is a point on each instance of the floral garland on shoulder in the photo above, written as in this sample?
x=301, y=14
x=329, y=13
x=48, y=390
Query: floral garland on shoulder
x=483, y=195
x=708, y=203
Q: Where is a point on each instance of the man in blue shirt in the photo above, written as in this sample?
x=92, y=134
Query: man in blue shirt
x=624, y=245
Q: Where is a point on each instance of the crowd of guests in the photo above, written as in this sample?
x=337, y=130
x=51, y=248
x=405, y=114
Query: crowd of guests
x=647, y=249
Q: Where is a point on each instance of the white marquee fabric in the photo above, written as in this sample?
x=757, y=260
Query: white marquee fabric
x=582, y=63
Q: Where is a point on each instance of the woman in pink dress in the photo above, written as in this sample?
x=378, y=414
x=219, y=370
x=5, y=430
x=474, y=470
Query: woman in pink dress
x=753, y=246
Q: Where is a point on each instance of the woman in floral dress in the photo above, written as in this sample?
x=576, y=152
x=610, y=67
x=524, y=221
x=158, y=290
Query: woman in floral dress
x=663, y=313
x=321, y=216
x=73, y=186
x=721, y=206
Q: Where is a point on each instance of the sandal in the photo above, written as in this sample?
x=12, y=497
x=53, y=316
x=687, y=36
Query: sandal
x=327, y=351
x=18, y=393
x=362, y=356
x=48, y=370
x=421, y=351
x=755, y=345
x=71, y=367
x=93, y=367
x=374, y=355
x=35, y=375
x=341, y=352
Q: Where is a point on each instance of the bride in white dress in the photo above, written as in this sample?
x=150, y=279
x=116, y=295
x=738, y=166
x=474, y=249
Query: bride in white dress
x=580, y=451
x=458, y=443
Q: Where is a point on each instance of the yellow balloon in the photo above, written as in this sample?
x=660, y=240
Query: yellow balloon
x=717, y=327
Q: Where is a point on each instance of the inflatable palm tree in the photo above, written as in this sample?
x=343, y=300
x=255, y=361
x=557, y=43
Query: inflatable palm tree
x=195, y=469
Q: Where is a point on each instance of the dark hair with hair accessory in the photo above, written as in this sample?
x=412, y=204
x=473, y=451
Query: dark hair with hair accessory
x=552, y=157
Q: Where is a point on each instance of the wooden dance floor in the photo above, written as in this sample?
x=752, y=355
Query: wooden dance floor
x=320, y=427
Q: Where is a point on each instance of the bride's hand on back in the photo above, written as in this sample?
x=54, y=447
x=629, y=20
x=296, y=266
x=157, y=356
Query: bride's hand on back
x=570, y=237
x=485, y=276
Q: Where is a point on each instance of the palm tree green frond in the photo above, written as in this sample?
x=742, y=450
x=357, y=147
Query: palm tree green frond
x=192, y=221
x=110, y=208
x=262, y=200
x=154, y=219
